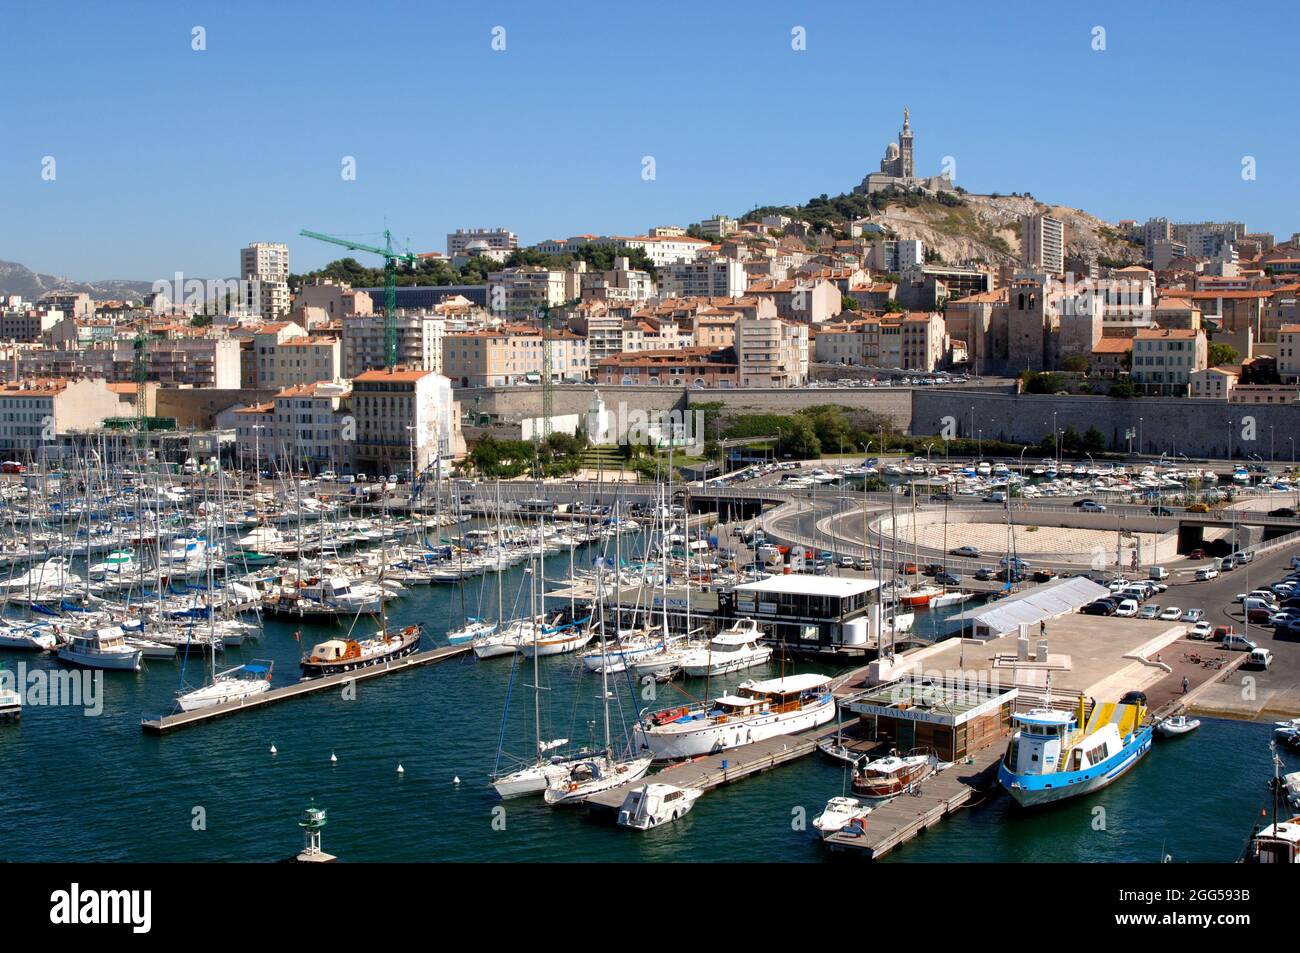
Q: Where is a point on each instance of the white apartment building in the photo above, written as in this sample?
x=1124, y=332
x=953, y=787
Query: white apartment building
x=306, y=425
x=493, y=239
x=305, y=360
x=703, y=278
x=264, y=269
x=1042, y=244
x=1165, y=358
x=1213, y=383
x=719, y=226
x=403, y=415
x=1288, y=352
x=771, y=352
x=530, y=288
x=35, y=412
x=419, y=342
x=896, y=255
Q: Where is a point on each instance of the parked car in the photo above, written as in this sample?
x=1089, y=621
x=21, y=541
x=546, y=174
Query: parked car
x=947, y=578
x=1044, y=575
x=1100, y=607
x=1151, y=611
x=1259, y=616
x=1192, y=615
x=1196, y=554
x=908, y=569
x=1171, y=614
x=1238, y=643
x=984, y=574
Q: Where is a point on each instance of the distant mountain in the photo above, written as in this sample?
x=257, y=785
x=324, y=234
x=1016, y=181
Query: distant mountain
x=16, y=279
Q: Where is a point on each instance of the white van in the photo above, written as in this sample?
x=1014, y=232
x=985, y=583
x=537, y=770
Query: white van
x=1258, y=658
x=1127, y=609
x=1158, y=572
x=1255, y=603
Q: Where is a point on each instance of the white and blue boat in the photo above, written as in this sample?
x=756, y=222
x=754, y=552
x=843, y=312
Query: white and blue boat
x=1051, y=758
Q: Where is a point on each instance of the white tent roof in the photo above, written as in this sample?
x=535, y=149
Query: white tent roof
x=1035, y=605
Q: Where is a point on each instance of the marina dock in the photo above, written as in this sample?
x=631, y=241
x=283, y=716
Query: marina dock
x=162, y=724
x=898, y=821
x=712, y=771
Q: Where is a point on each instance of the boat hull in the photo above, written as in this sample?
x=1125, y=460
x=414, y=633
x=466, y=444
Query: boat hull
x=125, y=662
x=315, y=669
x=701, y=669
x=1039, y=789
x=712, y=738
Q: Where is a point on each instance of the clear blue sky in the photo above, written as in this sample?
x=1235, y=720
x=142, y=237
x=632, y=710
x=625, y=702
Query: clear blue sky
x=170, y=159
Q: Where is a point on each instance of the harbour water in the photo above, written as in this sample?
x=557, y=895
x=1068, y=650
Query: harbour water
x=98, y=789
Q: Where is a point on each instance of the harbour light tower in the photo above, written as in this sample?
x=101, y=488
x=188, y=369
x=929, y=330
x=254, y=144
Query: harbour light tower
x=313, y=819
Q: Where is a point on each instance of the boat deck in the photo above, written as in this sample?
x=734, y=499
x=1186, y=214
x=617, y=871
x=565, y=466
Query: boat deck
x=164, y=723
x=898, y=821
x=714, y=770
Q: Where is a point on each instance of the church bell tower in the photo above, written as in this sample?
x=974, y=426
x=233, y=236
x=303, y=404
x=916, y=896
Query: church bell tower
x=905, y=147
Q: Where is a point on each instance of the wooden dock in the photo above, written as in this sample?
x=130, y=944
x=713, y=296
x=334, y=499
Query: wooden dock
x=898, y=821
x=714, y=770
x=165, y=723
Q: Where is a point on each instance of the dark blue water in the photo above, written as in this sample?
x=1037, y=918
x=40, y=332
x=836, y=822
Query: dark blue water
x=79, y=788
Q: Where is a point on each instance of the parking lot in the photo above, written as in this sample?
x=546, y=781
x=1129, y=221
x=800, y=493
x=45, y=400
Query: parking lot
x=1243, y=693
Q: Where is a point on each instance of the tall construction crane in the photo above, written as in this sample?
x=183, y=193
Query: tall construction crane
x=543, y=316
x=548, y=388
x=391, y=260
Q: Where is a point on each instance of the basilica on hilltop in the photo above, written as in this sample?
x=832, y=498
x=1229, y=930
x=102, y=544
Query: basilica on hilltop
x=898, y=172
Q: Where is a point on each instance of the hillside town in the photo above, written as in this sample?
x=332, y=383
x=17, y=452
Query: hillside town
x=282, y=364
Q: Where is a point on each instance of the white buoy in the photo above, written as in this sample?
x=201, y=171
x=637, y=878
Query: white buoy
x=273, y=751
x=400, y=769
x=333, y=759
x=456, y=780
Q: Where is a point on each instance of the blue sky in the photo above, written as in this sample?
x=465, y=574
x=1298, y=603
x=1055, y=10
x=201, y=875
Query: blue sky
x=170, y=159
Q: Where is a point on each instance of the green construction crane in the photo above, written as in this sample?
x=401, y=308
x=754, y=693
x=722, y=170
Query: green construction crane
x=391, y=259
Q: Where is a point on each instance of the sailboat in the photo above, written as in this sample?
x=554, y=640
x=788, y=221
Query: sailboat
x=546, y=769
x=234, y=684
x=345, y=655
x=590, y=776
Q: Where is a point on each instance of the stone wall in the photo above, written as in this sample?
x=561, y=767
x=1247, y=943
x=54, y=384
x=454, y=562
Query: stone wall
x=1197, y=428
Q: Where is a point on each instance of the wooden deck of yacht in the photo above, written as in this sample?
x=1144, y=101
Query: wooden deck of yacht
x=898, y=821
x=165, y=723
x=714, y=770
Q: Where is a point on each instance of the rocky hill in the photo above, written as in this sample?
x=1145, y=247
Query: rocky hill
x=987, y=228
x=963, y=228
x=16, y=279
